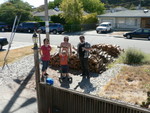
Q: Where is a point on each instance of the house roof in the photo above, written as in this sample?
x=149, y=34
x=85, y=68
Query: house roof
x=50, y=13
x=127, y=13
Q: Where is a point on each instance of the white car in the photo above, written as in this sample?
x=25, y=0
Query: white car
x=104, y=27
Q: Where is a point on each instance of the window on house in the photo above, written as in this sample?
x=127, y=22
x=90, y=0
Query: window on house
x=121, y=21
x=136, y=21
x=131, y=21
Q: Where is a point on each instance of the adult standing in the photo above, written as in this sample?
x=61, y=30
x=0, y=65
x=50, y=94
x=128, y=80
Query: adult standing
x=83, y=53
x=66, y=46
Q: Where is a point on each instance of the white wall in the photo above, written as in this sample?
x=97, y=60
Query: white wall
x=128, y=23
x=122, y=23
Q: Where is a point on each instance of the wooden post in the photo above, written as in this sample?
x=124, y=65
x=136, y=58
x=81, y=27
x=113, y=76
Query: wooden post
x=37, y=73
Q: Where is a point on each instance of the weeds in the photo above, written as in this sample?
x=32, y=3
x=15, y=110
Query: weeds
x=133, y=56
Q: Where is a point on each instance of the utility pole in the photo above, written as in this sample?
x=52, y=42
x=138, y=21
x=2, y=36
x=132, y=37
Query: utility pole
x=46, y=20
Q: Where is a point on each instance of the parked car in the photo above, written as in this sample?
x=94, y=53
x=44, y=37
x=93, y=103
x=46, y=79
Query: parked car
x=4, y=27
x=28, y=27
x=54, y=28
x=139, y=33
x=3, y=42
x=104, y=27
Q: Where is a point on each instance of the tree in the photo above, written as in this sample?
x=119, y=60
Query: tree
x=40, y=8
x=90, y=18
x=72, y=11
x=93, y=6
x=10, y=9
x=127, y=3
x=14, y=1
x=53, y=4
x=57, y=2
x=57, y=19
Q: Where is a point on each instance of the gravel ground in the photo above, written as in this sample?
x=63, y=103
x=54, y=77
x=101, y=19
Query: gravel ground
x=20, y=69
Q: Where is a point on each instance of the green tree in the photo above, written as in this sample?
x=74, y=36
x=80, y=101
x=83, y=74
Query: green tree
x=10, y=9
x=132, y=7
x=51, y=5
x=90, y=18
x=93, y=6
x=73, y=11
x=57, y=2
x=40, y=8
x=14, y=1
x=58, y=19
x=126, y=3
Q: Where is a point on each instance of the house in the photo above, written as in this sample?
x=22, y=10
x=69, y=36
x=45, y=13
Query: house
x=51, y=12
x=127, y=20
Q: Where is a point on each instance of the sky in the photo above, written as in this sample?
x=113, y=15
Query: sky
x=35, y=3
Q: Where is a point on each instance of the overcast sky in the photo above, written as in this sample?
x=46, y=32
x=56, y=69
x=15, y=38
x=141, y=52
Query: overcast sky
x=35, y=3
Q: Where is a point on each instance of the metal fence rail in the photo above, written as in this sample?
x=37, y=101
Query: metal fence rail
x=59, y=100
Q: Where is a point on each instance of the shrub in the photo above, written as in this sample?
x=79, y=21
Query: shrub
x=90, y=19
x=58, y=19
x=132, y=56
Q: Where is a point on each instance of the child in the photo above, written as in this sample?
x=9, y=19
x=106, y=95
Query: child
x=64, y=64
x=45, y=56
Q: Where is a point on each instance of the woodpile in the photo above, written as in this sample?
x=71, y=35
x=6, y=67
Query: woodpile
x=100, y=56
x=113, y=50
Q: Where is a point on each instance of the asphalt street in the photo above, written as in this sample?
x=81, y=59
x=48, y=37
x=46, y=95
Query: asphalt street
x=25, y=39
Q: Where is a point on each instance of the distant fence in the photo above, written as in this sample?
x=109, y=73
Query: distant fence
x=79, y=27
x=59, y=100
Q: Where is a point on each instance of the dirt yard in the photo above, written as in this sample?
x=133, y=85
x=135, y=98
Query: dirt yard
x=131, y=85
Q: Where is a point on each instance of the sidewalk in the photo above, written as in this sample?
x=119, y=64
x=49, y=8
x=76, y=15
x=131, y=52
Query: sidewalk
x=16, y=99
x=16, y=45
x=18, y=94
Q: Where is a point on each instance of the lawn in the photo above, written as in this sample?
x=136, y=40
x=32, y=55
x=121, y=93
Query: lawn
x=16, y=54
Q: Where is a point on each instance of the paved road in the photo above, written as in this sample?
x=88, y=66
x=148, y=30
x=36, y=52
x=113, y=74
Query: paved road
x=23, y=39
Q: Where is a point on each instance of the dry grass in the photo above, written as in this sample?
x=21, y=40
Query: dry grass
x=16, y=54
x=131, y=85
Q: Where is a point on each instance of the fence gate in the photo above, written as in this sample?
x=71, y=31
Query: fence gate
x=60, y=100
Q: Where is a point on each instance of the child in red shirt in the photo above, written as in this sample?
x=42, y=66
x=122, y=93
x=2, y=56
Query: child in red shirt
x=45, y=56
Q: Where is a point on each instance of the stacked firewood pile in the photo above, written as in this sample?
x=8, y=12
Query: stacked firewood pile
x=100, y=56
x=113, y=50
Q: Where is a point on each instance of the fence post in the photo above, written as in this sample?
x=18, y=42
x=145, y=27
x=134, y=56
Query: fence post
x=37, y=69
